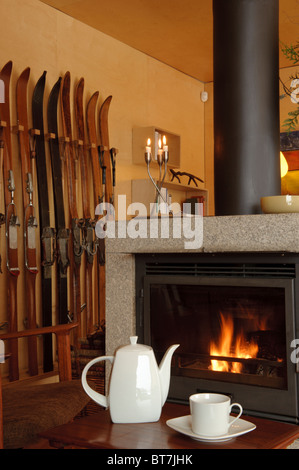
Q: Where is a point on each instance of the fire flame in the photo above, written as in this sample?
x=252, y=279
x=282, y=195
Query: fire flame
x=229, y=347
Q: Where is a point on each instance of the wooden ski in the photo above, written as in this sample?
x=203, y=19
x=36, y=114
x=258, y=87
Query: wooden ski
x=98, y=198
x=30, y=221
x=12, y=221
x=62, y=233
x=46, y=231
x=2, y=216
x=105, y=149
x=93, y=146
x=76, y=224
x=107, y=161
x=88, y=222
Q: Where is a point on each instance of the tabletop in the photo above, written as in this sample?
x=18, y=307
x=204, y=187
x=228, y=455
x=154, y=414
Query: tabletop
x=98, y=432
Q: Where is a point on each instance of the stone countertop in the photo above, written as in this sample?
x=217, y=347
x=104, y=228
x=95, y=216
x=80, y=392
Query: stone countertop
x=244, y=233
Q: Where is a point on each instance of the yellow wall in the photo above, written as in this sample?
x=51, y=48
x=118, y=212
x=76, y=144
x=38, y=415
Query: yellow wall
x=209, y=145
x=145, y=93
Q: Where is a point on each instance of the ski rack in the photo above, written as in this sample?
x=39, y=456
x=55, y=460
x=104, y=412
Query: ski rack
x=66, y=244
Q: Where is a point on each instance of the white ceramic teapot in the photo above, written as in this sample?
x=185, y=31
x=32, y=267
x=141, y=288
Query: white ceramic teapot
x=138, y=387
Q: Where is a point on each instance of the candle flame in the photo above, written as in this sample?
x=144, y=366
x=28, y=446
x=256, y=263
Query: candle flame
x=160, y=144
x=148, y=142
x=164, y=140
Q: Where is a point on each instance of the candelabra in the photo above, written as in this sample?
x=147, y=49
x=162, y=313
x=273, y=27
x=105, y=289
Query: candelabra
x=162, y=159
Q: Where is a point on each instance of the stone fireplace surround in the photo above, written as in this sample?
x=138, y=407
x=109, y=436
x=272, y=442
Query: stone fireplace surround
x=261, y=233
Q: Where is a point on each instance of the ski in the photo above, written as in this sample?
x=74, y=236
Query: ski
x=88, y=222
x=46, y=232
x=93, y=146
x=98, y=198
x=11, y=222
x=113, y=153
x=62, y=233
x=76, y=224
x=2, y=215
x=30, y=221
x=105, y=156
x=105, y=149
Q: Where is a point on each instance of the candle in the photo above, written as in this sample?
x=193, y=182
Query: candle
x=148, y=146
x=165, y=147
x=165, y=150
x=160, y=151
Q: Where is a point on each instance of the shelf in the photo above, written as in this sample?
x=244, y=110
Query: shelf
x=143, y=191
x=183, y=187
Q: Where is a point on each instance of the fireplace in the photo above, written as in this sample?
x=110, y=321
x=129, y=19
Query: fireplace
x=234, y=316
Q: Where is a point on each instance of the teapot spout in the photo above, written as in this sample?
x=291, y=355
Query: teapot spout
x=164, y=371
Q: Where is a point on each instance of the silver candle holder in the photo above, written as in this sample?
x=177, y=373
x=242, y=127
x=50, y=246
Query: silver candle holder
x=162, y=159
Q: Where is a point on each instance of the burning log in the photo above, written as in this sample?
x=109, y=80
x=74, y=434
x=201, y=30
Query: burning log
x=269, y=344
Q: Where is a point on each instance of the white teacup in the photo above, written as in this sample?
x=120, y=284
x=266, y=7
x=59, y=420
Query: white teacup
x=210, y=413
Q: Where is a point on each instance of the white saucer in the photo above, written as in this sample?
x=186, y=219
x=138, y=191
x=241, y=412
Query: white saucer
x=183, y=425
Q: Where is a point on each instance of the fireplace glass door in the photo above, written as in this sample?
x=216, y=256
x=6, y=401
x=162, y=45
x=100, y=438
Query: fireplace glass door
x=231, y=331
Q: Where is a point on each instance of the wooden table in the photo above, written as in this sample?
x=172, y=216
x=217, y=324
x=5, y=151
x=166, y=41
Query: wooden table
x=98, y=432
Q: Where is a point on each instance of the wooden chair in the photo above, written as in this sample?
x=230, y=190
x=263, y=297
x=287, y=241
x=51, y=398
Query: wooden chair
x=27, y=409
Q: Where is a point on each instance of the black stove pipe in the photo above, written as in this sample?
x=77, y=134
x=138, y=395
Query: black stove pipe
x=246, y=104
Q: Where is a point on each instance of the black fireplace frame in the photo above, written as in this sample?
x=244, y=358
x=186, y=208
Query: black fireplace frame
x=280, y=269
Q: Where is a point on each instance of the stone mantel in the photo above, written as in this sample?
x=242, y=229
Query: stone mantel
x=258, y=233
x=246, y=233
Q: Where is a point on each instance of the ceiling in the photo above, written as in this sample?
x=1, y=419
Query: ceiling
x=178, y=33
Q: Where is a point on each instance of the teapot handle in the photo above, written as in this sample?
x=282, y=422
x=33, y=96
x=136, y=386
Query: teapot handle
x=97, y=397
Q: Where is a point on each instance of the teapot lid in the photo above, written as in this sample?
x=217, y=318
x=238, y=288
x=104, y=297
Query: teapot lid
x=134, y=346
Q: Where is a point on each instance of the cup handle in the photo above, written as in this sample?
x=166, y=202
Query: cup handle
x=240, y=412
